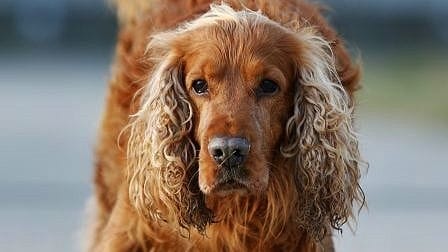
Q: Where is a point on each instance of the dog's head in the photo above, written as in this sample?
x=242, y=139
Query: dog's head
x=238, y=104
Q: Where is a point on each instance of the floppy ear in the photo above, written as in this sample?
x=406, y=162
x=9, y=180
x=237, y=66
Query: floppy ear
x=321, y=141
x=161, y=154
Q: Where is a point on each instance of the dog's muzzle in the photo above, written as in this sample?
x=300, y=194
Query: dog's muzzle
x=229, y=154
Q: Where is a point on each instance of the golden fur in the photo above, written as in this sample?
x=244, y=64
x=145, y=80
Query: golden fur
x=155, y=189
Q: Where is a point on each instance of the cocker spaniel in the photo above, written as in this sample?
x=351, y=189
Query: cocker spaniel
x=234, y=123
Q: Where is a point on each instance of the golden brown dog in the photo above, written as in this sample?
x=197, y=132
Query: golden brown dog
x=234, y=124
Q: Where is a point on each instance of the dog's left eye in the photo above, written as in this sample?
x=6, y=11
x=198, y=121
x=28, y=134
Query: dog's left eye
x=200, y=86
x=267, y=87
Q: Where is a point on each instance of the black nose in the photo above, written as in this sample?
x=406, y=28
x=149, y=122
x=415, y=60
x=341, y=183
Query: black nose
x=229, y=151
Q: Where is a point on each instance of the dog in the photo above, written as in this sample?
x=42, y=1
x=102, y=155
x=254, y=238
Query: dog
x=228, y=126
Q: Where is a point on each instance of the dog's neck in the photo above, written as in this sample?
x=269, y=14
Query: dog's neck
x=250, y=223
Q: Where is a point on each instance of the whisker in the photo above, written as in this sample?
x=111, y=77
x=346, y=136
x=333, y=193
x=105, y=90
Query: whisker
x=231, y=154
x=190, y=180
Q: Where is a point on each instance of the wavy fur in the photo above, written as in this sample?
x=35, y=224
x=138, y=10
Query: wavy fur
x=322, y=142
x=161, y=154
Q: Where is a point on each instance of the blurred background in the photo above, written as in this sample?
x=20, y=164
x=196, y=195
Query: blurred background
x=54, y=65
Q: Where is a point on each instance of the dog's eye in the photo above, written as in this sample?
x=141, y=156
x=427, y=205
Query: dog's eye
x=200, y=86
x=267, y=87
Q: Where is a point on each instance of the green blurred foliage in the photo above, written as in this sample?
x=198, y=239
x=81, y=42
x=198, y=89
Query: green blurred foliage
x=407, y=83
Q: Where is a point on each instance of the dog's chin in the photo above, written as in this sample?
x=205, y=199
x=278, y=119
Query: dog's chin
x=222, y=189
x=230, y=188
x=233, y=187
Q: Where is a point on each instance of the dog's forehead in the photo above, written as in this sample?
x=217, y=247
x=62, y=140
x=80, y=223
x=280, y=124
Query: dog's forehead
x=218, y=65
x=238, y=53
x=230, y=41
x=234, y=59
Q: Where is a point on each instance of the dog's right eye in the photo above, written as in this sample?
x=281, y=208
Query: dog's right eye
x=200, y=86
x=267, y=87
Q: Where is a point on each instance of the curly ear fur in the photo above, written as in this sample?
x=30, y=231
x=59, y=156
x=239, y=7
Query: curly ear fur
x=321, y=141
x=161, y=155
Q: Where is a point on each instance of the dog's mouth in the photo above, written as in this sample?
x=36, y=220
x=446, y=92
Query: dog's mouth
x=231, y=186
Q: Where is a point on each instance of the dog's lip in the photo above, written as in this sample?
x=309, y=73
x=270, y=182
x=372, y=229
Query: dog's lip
x=229, y=186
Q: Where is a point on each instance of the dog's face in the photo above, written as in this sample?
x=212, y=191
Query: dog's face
x=240, y=105
x=241, y=82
